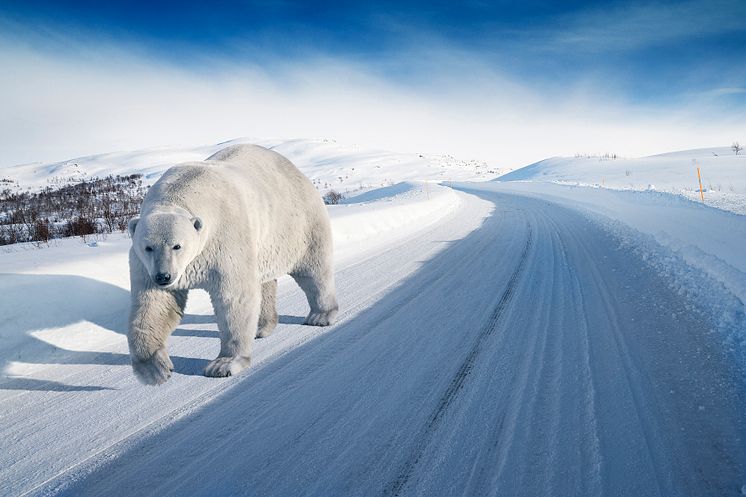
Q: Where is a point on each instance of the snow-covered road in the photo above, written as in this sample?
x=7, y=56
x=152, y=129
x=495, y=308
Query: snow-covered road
x=512, y=348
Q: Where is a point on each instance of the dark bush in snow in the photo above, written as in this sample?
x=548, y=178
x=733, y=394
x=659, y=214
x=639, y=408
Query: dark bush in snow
x=333, y=197
x=99, y=205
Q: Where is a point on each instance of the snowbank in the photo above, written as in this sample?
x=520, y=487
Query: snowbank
x=373, y=223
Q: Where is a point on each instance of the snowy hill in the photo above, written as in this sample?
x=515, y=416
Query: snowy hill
x=723, y=174
x=330, y=165
x=344, y=170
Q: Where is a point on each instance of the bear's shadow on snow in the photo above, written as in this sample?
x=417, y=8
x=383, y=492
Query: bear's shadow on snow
x=31, y=384
x=34, y=302
x=190, y=319
x=291, y=319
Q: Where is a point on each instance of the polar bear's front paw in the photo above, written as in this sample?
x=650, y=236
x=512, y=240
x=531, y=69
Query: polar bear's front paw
x=321, y=318
x=154, y=370
x=227, y=366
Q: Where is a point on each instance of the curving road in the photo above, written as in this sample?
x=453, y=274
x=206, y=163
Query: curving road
x=529, y=356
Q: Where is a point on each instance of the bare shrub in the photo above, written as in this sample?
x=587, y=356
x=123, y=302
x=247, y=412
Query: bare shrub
x=42, y=231
x=81, y=226
x=91, y=206
x=333, y=197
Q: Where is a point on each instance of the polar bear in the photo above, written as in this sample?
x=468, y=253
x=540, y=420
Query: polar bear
x=230, y=225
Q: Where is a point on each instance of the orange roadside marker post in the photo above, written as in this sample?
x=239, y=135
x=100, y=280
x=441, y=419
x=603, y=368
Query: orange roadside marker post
x=701, y=192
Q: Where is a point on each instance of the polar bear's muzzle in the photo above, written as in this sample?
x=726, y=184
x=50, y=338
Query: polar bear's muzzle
x=163, y=279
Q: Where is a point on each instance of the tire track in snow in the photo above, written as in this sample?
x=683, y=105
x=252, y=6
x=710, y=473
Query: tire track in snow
x=631, y=374
x=536, y=364
x=395, y=487
x=592, y=459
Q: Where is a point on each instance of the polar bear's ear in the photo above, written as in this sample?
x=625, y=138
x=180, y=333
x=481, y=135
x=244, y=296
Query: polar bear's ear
x=132, y=225
x=197, y=222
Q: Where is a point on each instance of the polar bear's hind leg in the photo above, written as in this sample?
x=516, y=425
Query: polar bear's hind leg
x=319, y=290
x=268, y=312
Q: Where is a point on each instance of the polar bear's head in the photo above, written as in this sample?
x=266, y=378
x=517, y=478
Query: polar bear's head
x=166, y=242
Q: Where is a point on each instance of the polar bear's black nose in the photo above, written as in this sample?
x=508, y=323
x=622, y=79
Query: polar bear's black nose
x=162, y=278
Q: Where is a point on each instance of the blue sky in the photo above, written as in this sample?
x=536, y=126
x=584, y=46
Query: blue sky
x=565, y=68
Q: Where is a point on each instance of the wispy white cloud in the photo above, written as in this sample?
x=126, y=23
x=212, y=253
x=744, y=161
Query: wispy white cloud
x=638, y=25
x=97, y=96
x=726, y=91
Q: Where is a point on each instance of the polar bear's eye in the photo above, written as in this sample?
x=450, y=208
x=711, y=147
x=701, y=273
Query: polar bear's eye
x=148, y=249
x=177, y=247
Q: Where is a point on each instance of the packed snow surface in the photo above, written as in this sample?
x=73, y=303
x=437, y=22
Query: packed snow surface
x=500, y=338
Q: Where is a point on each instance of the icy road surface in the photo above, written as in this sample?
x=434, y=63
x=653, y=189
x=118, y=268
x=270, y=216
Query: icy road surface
x=526, y=355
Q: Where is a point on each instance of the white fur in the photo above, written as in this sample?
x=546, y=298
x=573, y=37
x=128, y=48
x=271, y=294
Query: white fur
x=241, y=219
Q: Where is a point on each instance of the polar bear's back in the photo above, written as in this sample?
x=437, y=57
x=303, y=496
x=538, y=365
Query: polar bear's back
x=287, y=208
x=266, y=171
x=246, y=153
